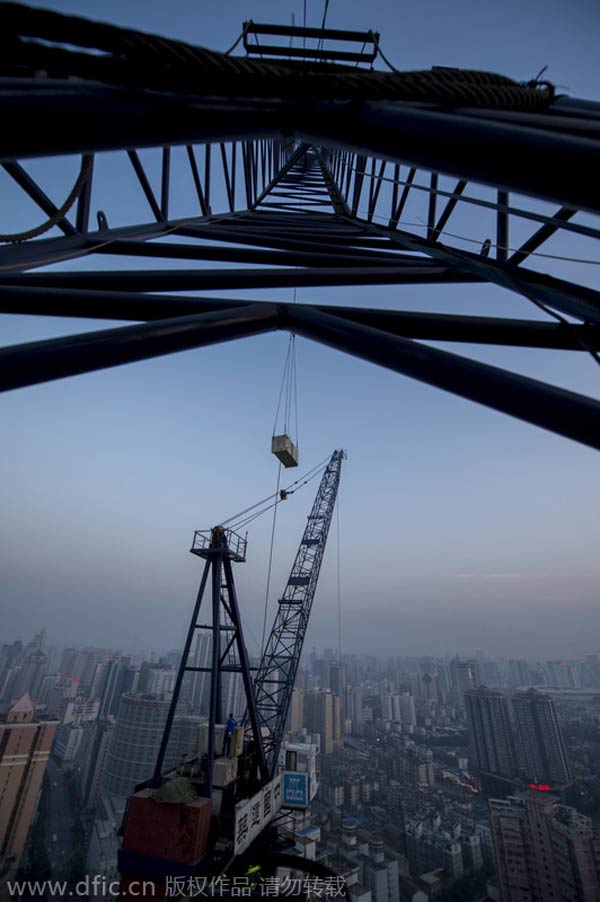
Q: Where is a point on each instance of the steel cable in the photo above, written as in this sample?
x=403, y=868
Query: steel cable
x=148, y=61
x=86, y=165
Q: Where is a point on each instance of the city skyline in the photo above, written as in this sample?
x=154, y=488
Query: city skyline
x=415, y=778
x=141, y=651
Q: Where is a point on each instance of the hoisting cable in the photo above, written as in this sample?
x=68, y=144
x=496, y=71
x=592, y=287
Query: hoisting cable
x=289, y=490
x=339, y=579
x=341, y=687
x=289, y=380
x=283, y=494
x=294, y=381
x=270, y=564
x=325, y=8
x=288, y=389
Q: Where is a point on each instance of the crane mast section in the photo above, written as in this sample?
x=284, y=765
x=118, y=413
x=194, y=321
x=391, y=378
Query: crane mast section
x=277, y=673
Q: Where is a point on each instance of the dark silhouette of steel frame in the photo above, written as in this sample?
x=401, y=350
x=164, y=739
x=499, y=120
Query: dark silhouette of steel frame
x=281, y=161
x=279, y=664
x=219, y=548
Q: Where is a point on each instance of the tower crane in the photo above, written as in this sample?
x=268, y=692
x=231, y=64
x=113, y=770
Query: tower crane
x=209, y=811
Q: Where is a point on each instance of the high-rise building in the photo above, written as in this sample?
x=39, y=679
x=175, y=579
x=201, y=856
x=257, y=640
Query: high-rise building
x=156, y=678
x=65, y=689
x=91, y=759
x=543, y=850
x=72, y=663
x=196, y=684
x=385, y=700
x=118, y=677
x=78, y=714
x=590, y=670
x=337, y=678
x=541, y=750
x=519, y=674
x=297, y=711
x=406, y=705
x=234, y=696
x=562, y=675
x=322, y=715
x=135, y=743
x=427, y=686
x=490, y=731
x=356, y=709
x=9, y=659
x=30, y=675
x=464, y=675
x=24, y=750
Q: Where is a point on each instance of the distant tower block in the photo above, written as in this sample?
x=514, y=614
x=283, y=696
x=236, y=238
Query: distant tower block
x=284, y=450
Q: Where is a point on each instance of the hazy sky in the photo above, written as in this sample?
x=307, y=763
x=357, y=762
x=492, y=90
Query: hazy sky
x=460, y=528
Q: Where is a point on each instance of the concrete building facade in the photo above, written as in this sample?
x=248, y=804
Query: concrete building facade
x=541, y=748
x=490, y=731
x=25, y=745
x=543, y=850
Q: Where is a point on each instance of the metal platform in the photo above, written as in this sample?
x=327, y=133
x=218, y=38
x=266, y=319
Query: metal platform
x=207, y=542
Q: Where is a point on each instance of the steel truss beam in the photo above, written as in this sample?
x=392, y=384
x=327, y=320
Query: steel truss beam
x=42, y=361
x=560, y=411
x=283, y=185
x=125, y=305
x=59, y=117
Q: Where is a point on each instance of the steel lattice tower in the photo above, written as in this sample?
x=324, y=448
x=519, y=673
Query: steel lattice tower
x=315, y=174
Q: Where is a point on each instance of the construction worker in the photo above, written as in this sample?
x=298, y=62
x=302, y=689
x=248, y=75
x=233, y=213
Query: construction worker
x=230, y=728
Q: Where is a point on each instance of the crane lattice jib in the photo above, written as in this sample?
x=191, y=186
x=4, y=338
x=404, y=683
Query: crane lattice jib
x=277, y=672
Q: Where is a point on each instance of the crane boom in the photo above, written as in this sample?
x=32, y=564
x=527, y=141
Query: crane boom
x=276, y=675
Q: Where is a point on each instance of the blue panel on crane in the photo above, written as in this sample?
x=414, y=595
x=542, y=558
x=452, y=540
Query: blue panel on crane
x=298, y=580
x=295, y=790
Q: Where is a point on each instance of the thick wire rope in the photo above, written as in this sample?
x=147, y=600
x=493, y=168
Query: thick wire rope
x=502, y=247
x=325, y=9
x=339, y=578
x=284, y=384
x=382, y=55
x=241, y=36
x=465, y=199
x=60, y=212
x=290, y=385
x=574, y=327
x=237, y=526
x=153, y=62
x=289, y=490
x=341, y=688
x=93, y=248
x=565, y=322
x=270, y=565
x=295, y=380
x=304, y=25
